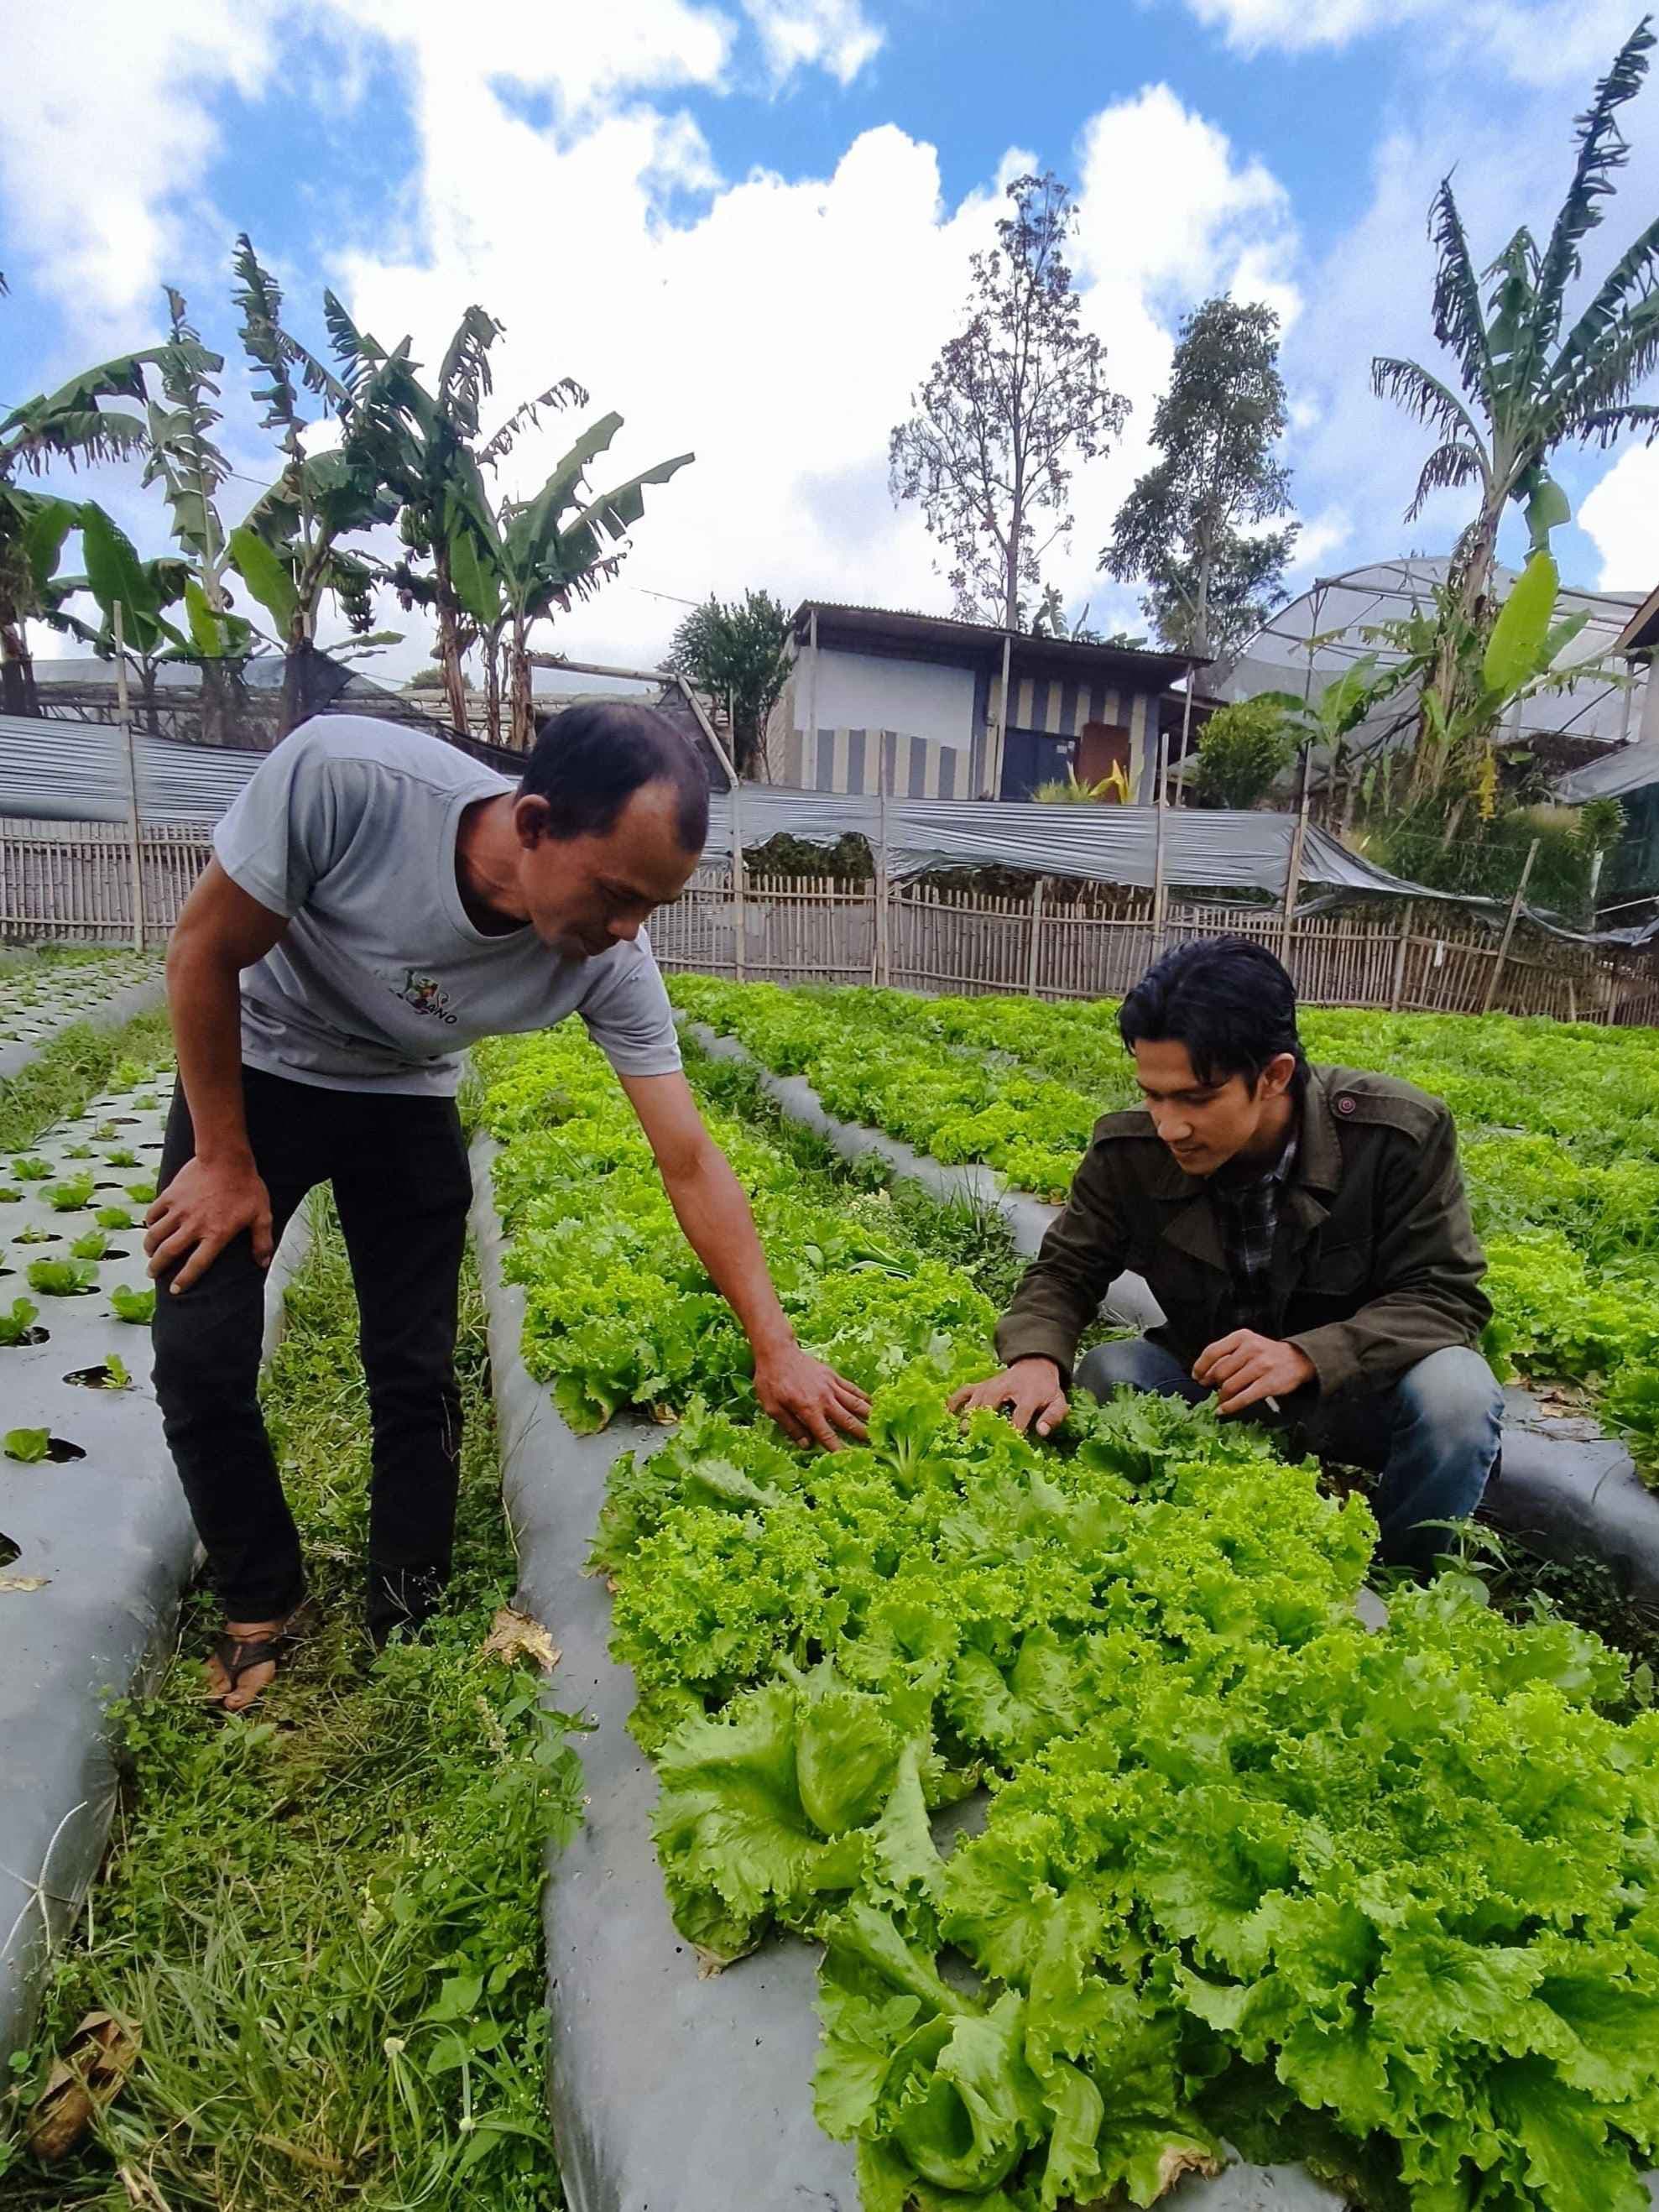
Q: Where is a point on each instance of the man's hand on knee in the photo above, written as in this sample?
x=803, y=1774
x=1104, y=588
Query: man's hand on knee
x=204, y=1206
x=1245, y=1368
x=1028, y=1390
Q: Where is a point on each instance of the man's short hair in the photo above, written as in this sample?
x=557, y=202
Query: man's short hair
x=588, y=761
x=1228, y=1001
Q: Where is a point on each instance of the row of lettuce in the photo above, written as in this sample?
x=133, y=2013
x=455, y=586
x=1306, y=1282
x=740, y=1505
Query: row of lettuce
x=1386, y=1902
x=1559, y=1130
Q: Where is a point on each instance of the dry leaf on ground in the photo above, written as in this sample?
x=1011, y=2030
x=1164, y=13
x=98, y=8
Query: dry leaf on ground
x=515, y=1636
x=89, y=2072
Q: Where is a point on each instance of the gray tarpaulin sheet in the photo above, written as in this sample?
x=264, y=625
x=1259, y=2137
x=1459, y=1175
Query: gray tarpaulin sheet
x=71, y=771
x=103, y=1547
x=1216, y=850
x=64, y=771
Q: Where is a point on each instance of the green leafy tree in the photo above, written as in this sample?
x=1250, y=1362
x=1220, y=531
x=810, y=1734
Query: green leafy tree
x=1192, y=531
x=1011, y=404
x=1243, y=748
x=1531, y=381
x=738, y=652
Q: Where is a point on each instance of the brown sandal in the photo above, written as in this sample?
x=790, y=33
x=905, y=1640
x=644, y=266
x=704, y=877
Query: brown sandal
x=239, y=1655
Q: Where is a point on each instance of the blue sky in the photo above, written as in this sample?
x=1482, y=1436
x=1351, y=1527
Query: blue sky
x=745, y=224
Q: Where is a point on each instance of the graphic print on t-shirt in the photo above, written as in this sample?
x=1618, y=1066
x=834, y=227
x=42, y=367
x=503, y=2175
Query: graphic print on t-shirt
x=426, y=994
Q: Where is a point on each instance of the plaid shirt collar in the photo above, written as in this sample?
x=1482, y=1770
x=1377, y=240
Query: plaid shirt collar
x=1248, y=1217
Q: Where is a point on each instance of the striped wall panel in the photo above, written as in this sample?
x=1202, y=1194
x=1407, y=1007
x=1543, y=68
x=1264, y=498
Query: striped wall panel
x=869, y=760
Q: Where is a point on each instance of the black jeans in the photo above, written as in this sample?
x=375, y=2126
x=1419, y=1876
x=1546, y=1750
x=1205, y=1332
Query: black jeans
x=402, y=1186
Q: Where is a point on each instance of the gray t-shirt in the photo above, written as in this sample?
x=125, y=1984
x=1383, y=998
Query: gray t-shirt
x=381, y=982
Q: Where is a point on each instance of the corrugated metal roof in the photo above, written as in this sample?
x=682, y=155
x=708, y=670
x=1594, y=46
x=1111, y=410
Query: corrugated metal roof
x=1156, y=669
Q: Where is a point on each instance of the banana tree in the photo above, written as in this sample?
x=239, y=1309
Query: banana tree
x=180, y=455
x=143, y=590
x=1531, y=382
x=490, y=573
x=546, y=552
x=287, y=550
x=70, y=426
x=1453, y=764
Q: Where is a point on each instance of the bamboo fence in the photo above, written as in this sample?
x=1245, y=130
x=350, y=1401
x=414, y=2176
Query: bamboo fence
x=74, y=881
x=1417, y=958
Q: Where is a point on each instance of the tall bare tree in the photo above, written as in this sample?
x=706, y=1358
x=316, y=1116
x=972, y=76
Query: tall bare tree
x=1011, y=404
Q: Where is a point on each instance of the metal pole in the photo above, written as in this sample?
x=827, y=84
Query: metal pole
x=999, y=749
x=1496, y=976
x=812, y=698
x=1293, y=874
x=135, y=850
x=1160, y=888
x=1185, y=728
x=1397, y=989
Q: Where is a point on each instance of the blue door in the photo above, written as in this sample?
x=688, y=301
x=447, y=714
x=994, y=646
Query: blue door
x=1032, y=756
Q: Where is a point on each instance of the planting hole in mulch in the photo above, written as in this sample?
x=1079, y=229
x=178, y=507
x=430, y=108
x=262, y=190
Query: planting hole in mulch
x=97, y=1378
x=35, y=1335
x=9, y=1550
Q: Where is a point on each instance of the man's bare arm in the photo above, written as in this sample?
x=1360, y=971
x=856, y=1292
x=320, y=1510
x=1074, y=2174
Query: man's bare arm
x=218, y=1193
x=809, y=1401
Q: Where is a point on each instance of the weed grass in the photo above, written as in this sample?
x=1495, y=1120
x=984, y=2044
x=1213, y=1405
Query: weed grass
x=325, y=1920
x=73, y=1068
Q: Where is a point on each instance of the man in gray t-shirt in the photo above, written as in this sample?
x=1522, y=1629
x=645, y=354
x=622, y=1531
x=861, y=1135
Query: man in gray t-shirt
x=377, y=902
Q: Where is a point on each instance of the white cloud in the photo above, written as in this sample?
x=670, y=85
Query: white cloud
x=102, y=162
x=781, y=330
x=776, y=327
x=831, y=34
x=1621, y=514
x=1534, y=41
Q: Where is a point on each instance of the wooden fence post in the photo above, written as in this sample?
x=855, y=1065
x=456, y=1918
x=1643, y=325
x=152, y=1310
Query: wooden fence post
x=1396, y=989
x=740, y=914
x=1496, y=976
x=883, y=966
x=135, y=850
x=1031, y=948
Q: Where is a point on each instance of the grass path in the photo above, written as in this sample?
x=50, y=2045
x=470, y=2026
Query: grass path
x=326, y=1922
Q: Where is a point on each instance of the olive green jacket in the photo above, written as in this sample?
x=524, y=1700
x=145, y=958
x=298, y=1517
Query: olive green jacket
x=1376, y=1263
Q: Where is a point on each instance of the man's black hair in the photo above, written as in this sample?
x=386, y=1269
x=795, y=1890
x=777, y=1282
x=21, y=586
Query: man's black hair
x=1230, y=1002
x=588, y=761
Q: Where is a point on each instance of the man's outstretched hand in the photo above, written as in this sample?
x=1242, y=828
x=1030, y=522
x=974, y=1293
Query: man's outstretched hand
x=1244, y=1368
x=1028, y=1391
x=810, y=1402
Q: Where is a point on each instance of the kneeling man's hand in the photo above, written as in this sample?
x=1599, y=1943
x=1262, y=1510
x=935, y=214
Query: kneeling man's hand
x=1244, y=1368
x=1028, y=1390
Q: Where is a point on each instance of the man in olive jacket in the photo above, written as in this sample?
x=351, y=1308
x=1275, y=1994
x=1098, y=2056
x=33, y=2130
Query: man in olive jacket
x=1305, y=1232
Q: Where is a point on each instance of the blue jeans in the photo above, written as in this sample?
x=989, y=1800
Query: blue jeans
x=1433, y=1436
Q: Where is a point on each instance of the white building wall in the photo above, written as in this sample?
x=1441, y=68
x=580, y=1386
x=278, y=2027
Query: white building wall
x=860, y=691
